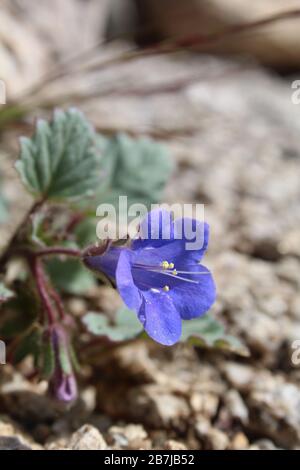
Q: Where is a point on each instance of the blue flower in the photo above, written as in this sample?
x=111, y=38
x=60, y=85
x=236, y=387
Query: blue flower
x=158, y=277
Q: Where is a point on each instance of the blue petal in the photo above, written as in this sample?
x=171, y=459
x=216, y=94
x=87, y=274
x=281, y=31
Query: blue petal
x=156, y=229
x=160, y=318
x=106, y=263
x=194, y=235
x=155, y=310
x=193, y=300
x=177, y=249
x=125, y=283
x=173, y=252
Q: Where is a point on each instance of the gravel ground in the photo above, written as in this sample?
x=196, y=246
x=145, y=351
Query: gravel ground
x=235, y=140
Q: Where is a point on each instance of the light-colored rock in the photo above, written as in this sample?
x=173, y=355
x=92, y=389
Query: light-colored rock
x=263, y=444
x=58, y=444
x=274, y=406
x=12, y=443
x=239, y=442
x=204, y=403
x=156, y=407
x=12, y=437
x=174, y=445
x=240, y=376
x=202, y=427
x=272, y=402
x=211, y=437
x=87, y=438
x=217, y=440
x=129, y=436
x=236, y=406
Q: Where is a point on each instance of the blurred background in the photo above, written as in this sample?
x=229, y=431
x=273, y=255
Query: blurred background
x=212, y=80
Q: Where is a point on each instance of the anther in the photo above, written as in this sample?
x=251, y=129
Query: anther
x=171, y=265
x=165, y=265
x=166, y=288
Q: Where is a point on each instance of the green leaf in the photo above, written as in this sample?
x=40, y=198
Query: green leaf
x=206, y=332
x=138, y=168
x=19, y=313
x=70, y=276
x=85, y=232
x=60, y=160
x=74, y=359
x=37, y=229
x=5, y=293
x=29, y=345
x=3, y=207
x=125, y=327
x=64, y=360
x=48, y=358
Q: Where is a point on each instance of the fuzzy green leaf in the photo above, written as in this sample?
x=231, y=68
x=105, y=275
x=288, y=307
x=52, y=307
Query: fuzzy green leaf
x=64, y=361
x=29, y=345
x=207, y=332
x=3, y=207
x=60, y=160
x=70, y=276
x=126, y=325
x=19, y=313
x=47, y=358
x=74, y=359
x=138, y=168
x=37, y=229
x=85, y=232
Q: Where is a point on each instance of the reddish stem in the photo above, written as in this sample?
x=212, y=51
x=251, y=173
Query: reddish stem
x=73, y=222
x=39, y=276
x=58, y=250
x=58, y=302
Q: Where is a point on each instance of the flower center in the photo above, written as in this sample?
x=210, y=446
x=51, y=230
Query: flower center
x=157, y=275
x=167, y=265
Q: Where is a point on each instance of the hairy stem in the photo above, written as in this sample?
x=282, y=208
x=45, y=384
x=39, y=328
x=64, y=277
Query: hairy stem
x=58, y=250
x=58, y=302
x=41, y=283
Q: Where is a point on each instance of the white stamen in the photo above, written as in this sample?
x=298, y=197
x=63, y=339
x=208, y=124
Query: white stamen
x=193, y=272
x=155, y=291
x=171, y=273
